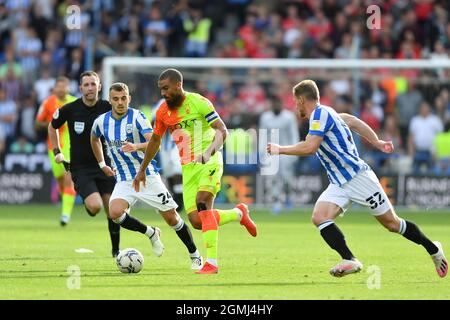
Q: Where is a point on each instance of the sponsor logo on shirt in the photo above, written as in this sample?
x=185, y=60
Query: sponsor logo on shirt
x=315, y=125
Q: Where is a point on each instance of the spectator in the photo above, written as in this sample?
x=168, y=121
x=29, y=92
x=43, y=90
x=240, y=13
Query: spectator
x=75, y=66
x=422, y=132
x=29, y=48
x=12, y=85
x=285, y=123
x=442, y=146
x=10, y=64
x=44, y=86
x=252, y=96
x=8, y=117
x=197, y=27
x=156, y=31
x=372, y=115
x=26, y=118
x=21, y=145
x=407, y=106
x=390, y=132
x=344, y=51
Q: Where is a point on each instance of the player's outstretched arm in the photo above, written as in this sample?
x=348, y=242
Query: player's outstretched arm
x=363, y=129
x=303, y=148
x=150, y=152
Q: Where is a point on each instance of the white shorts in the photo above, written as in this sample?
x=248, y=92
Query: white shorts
x=364, y=188
x=154, y=194
x=170, y=162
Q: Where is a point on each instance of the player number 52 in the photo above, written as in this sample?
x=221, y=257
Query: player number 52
x=375, y=200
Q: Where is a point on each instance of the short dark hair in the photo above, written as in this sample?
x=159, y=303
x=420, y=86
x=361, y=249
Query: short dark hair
x=308, y=89
x=89, y=73
x=119, y=87
x=172, y=74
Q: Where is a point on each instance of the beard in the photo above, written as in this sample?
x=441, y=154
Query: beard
x=174, y=102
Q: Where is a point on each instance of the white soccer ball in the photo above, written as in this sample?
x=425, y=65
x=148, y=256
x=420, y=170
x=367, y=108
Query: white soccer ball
x=130, y=260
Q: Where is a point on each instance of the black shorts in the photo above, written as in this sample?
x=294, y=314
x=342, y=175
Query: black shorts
x=90, y=180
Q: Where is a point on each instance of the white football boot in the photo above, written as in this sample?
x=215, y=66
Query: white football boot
x=196, y=263
x=346, y=267
x=439, y=260
x=157, y=245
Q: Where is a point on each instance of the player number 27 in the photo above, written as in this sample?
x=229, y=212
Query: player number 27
x=375, y=200
x=165, y=197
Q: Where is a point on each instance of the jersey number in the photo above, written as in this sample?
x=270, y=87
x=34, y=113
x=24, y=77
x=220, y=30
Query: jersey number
x=165, y=197
x=375, y=200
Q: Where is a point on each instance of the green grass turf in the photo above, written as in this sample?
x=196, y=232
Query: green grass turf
x=288, y=259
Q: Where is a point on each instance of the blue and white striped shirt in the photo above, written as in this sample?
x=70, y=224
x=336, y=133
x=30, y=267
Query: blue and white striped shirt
x=337, y=152
x=131, y=127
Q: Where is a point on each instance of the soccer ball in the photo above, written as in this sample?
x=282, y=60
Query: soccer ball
x=130, y=261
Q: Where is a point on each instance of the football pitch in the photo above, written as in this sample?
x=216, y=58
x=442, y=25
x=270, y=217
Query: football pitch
x=288, y=260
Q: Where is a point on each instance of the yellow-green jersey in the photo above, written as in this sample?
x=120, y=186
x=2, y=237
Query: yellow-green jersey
x=189, y=126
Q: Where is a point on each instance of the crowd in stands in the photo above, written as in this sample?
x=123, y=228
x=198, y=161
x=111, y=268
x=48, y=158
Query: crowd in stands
x=43, y=39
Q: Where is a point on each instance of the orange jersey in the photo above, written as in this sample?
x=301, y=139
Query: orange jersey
x=189, y=125
x=45, y=114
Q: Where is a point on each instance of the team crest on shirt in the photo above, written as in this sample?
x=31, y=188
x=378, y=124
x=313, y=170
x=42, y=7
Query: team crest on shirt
x=188, y=111
x=55, y=115
x=315, y=125
x=78, y=127
x=129, y=128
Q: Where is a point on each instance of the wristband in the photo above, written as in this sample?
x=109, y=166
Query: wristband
x=56, y=151
x=102, y=164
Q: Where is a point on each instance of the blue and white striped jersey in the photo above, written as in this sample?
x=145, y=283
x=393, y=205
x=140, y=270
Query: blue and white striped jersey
x=131, y=128
x=337, y=152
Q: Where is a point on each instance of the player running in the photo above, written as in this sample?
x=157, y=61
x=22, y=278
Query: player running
x=126, y=132
x=44, y=115
x=199, y=133
x=352, y=180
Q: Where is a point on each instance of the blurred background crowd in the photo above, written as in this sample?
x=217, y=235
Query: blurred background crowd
x=410, y=107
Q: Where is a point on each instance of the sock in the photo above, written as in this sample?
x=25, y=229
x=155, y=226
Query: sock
x=178, y=196
x=195, y=254
x=210, y=233
x=131, y=223
x=412, y=232
x=335, y=238
x=68, y=200
x=114, y=233
x=225, y=216
x=150, y=232
x=184, y=233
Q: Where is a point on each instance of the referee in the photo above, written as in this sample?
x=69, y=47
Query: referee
x=90, y=182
